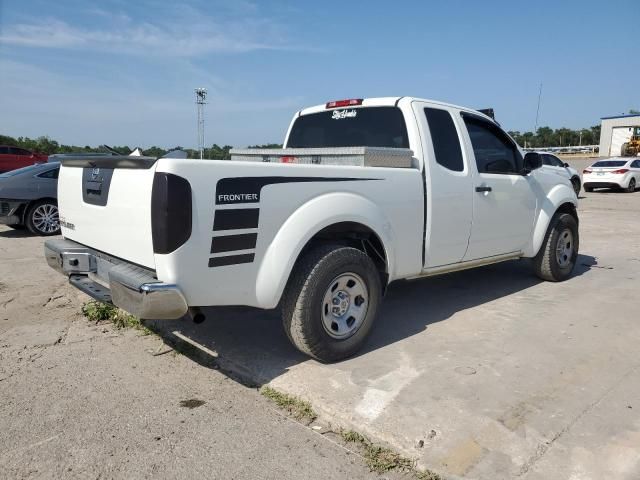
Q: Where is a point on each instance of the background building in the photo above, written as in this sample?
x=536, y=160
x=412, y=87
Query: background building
x=615, y=131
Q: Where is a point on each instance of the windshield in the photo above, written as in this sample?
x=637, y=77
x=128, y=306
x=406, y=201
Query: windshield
x=610, y=163
x=350, y=127
x=21, y=170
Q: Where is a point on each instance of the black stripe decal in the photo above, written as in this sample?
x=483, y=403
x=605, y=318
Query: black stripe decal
x=236, y=219
x=247, y=189
x=231, y=260
x=229, y=243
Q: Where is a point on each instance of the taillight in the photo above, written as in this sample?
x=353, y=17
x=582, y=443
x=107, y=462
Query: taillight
x=587, y=170
x=344, y=103
x=621, y=171
x=288, y=159
x=170, y=212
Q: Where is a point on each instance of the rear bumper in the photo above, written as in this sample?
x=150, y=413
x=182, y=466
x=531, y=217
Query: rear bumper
x=589, y=184
x=110, y=280
x=10, y=211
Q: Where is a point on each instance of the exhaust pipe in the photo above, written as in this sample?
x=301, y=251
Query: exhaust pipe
x=195, y=313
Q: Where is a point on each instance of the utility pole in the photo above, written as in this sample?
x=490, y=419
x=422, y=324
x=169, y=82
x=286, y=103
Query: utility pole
x=535, y=130
x=201, y=96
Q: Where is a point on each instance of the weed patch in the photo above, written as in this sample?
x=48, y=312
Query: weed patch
x=381, y=459
x=296, y=407
x=98, y=312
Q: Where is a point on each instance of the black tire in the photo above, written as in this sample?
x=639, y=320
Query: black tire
x=588, y=189
x=33, y=216
x=575, y=181
x=302, y=305
x=623, y=149
x=631, y=187
x=547, y=263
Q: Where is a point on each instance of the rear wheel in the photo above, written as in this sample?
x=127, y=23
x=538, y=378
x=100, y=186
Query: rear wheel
x=588, y=189
x=631, y=187
x=559, y=251
x=575, y=181
x=42, y=218
x=331, y=302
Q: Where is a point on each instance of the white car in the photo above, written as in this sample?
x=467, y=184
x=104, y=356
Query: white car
x=365, y=192
x=621, y=173
x=554, y=164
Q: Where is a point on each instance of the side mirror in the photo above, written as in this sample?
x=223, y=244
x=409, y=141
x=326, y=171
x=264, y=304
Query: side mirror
x=532, y=161
x=566, y=165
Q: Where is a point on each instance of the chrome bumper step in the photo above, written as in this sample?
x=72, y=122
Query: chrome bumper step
x=91, y=288
x=130, y=287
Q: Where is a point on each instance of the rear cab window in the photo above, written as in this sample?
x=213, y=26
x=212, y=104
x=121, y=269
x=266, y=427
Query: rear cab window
x=444, y=136
x=53, y=174
x=350, y=127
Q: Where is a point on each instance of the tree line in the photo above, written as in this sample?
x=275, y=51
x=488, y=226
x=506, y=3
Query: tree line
x=560, y=137
x=48, y=146
x=544, y=137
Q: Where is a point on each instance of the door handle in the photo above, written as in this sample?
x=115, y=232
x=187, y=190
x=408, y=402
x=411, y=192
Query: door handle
x=483, y=189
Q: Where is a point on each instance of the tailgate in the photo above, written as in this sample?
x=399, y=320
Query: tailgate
x=105, y=204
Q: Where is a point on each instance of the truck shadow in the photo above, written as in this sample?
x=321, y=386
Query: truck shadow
x=251, y=347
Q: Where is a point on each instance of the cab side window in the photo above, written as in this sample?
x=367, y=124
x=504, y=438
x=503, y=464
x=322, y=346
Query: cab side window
x=444, y=136
x=18, y=151
x=494, y=151
x=556, y=162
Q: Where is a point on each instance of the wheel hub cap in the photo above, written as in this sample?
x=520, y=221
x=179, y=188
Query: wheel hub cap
x=341, y=302
x=564, y=248
x=344, y=306
x=45, y=218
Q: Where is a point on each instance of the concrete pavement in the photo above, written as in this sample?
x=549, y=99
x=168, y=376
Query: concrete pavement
x=498, y=374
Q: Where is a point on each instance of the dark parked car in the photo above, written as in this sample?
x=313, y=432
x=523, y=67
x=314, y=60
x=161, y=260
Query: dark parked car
x=29, y=198
x=15, y=157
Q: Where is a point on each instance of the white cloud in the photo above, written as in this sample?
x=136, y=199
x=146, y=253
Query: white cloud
x=182, y=31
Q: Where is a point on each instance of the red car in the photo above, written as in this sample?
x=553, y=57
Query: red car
x=14, y=157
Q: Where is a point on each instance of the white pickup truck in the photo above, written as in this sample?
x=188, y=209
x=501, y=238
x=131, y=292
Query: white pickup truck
x=364, y=193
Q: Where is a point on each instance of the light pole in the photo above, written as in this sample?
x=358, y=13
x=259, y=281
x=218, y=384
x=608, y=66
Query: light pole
x=535, y=129
x=201, y=96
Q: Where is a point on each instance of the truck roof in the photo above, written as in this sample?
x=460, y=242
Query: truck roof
x=391, y=101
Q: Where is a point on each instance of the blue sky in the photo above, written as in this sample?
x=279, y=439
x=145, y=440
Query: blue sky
x=123, y=72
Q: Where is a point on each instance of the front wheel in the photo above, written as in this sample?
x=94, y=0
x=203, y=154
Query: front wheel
x=331, y=302
x=42, y=218
x=631, y=187
x=575, y=181
x=559, y=251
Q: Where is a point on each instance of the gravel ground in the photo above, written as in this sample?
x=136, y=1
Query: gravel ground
x=81, y=400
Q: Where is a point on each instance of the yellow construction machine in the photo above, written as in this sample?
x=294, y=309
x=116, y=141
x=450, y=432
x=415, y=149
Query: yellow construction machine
x=632, y=147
